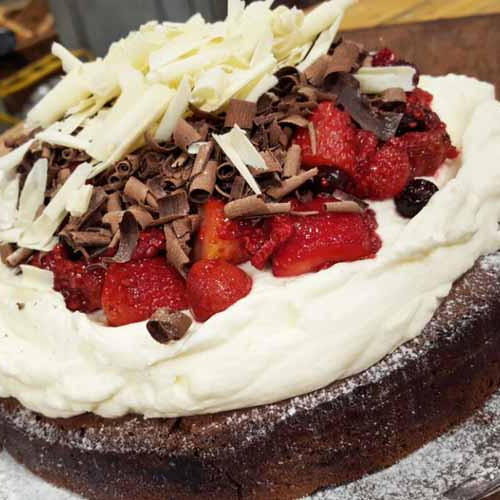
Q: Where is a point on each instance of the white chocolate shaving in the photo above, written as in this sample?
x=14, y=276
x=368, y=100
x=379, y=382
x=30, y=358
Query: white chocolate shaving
x=377, y=79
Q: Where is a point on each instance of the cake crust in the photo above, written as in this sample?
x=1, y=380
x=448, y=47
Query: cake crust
x=289, y=449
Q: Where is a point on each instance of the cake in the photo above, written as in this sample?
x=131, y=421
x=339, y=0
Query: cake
x=245, y=260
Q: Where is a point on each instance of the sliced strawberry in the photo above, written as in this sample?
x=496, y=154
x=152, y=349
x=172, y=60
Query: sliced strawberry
x=215, y=285
x=335, y=139
x=280, y=230
x=427, y=151
x=219, y=238
x=386, y=175
x=319, y=241
x=133, y=291
x=79, y=282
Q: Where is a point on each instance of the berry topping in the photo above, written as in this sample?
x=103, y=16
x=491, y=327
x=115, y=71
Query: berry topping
x=384, y=57
x=319, y=241
x=79, y=282
x=386, y=174
x=415, y=197
x=335, y=139
x=219, y=238
x=427, y=151
x=151, y=244
x=330, y=179
x=133, y=291
x=215, y=285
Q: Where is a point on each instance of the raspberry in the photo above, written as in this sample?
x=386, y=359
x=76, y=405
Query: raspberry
x=215, y=285
x=335, y=139
x=132, y=292
x=387, y=174
x=79, y=282
x=151, y=244
x=384, y=57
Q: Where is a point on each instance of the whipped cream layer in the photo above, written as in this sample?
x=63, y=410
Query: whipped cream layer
x=289, y=336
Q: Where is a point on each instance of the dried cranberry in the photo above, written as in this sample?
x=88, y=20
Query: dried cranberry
x=330, y=179
x=415, y=197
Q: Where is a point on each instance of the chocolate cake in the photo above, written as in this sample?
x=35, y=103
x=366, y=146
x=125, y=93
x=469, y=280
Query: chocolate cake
x=289, y=449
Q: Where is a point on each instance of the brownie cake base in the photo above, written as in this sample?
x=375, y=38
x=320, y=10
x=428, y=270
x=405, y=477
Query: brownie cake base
x=290, y=449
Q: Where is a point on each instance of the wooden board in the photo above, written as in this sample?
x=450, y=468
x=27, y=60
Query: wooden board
x=469, y=46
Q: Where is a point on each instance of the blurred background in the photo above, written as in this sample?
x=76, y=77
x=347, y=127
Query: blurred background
x=439, y=35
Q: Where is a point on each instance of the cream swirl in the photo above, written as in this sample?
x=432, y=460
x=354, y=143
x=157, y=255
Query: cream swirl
x=289, y=336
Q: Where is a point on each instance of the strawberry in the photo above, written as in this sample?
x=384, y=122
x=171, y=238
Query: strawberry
x=79, y=282
x=215, y=285
x=133, y=291
x=319, y=241
x=335, y=139
x=427, y=151
x=386, y=175
x=219, y=238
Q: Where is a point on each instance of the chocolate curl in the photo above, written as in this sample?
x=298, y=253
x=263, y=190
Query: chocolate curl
x=317, y=71
x=291, y=184
x=394, y=95
x=241, y=113
x=312, y=136
x=343, y=207
x=129, y=236
x=166, y=326
x=202, y=158
x=238, y=188
x=155, y=186
x=136, y=190
x=185, y=135
x=176, y=256
x=276, y=135
x=114, y=203
x=253, y=206
x=344, y=59
x=174, y=205
x=296, y=120
x=128, y=166
x=293, y=161
x=203, y=185
x=5, y=251
x=91, y=238
x=343, y=196
x=226, y=172
x=18, y=257
x=142, y=216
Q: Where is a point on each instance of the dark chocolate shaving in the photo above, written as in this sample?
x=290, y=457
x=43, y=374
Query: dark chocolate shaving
x=176, y=253
x=202, y=158
x=291, y=184
x=293, y=161
x=185, y=135
x=174, y=205
x=226, y=171
x=129, y=236
x=383, y=125
x=136, y=190
x=91, y=238
x=6, y=250
x=394, y=95
x=343, y=207
x=343, y=196
x=254, y=206
x=166, y=326
x=202, y=186
x=238, y=188
x=344, y=59
x=241, y=113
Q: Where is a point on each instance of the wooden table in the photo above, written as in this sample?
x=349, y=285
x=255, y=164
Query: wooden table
x=369, y=13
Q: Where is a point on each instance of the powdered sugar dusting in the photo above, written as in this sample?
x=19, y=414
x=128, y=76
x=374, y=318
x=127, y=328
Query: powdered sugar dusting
x=473, y=450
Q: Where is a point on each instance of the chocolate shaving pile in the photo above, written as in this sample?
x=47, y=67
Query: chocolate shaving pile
x=166, y=185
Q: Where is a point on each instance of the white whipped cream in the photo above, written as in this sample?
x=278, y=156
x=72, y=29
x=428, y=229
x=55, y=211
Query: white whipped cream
x=289, y=336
